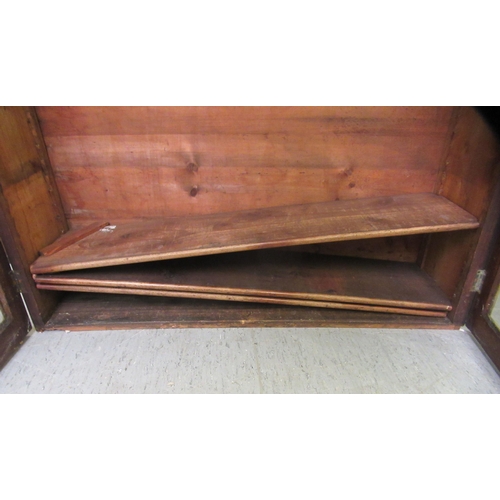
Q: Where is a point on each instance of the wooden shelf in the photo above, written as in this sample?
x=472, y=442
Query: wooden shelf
x=176, y=237
x=269, y=274
x=245, y=298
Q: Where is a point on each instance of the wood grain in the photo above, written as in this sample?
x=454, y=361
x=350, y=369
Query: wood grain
x=134, y=120
x=393, y=248
x=15, y=324
x=242, y=298
x=142, y=162
x=273, y=274
x=72, y=237
x=31, y=214
x=266, y=228
x=469, y=180
x=122, y=192
x=89, y=311
x=480, y=322
x=157, y=162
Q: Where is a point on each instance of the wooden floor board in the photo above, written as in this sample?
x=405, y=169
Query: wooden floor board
x=89, y=311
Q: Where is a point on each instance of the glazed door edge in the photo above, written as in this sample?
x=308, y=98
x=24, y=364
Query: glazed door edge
x=14, y=321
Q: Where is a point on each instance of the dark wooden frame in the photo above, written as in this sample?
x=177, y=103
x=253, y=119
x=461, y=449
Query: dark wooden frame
x=467, y=177
x=16, y=324
x=479, y=322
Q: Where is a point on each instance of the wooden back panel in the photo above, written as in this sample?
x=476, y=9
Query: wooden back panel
x=119, y=163
x=134, y=162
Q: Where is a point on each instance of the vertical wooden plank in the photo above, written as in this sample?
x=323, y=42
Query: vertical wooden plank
x=468, y=179
x=31, y=215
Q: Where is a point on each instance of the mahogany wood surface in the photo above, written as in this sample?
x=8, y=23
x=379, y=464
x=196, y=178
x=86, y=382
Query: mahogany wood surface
x=123, y=163
x=71, y=237
x=242, y=298
x=98, y=311
x=273, y=274
x=468, y=179
x=176, y=237
x=60, y=121
x=31, y=214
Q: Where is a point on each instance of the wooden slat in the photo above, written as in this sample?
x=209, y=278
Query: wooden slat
x=275, y=274
x=116, y=120
x=242, y=298
x=394, y=248
x=71, y=237
x=266, y=228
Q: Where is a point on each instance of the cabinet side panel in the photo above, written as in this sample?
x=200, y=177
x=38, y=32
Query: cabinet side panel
x=31, y=213
x=468, y=179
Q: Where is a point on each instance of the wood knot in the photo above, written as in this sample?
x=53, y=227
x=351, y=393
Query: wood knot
x=194, y=191
x=192, y=167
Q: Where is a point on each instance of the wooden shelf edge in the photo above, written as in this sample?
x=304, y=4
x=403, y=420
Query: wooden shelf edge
x=294, y=225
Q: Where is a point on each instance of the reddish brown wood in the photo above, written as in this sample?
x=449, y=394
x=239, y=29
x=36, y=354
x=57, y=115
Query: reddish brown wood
x=266, y=228
x=16, y=325
x=469, y=180
x=123, y=192
x=137, y=120
x=71, y=237
x=479, y=321
x=31, y=215
x=88, y=311
x=273, y=274
x=139, y=162
x=393, y=248
x=243, y=298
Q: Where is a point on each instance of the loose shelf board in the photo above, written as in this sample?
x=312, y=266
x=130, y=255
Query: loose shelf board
x=244, y=298
x=275, y=274
x=175, y=237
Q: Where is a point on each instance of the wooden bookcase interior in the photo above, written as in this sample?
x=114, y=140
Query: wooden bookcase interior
x=70, y=168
